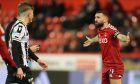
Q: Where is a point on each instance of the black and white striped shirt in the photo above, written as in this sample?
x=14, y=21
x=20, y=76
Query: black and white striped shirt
x=17, y=39
x=20, y=33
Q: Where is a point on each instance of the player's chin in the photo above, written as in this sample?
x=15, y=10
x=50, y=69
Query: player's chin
x=85, y=45
x=99, y=25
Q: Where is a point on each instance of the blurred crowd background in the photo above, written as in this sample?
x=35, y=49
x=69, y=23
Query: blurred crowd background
x=60, y=26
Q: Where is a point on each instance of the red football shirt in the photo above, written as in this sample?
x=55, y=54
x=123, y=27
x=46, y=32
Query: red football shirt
x=110, y=46
x=4, y=51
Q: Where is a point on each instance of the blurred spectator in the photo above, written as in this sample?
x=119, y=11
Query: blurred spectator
x=117, y=16
x=41, y=33
x=58, y=8
x=136, y=13
x=72, y=46
x=126, y=27
x=89, y=10
x=137, y=38
x=50, y=8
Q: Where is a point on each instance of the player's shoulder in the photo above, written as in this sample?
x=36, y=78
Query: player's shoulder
x=19, y=24
x=111, y=27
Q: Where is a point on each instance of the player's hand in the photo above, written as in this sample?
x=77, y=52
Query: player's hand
x=1, y=29
x=43, y=64
x=35, y=48
x=87, y=42
x=128, y=37
x=19, y=73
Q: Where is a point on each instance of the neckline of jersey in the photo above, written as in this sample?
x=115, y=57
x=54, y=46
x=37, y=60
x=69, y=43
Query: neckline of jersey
x=106, y=26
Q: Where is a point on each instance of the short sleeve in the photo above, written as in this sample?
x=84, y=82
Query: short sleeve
x=114, y=32
x=18, y=32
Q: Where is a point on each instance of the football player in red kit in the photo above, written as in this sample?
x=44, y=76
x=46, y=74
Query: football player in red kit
x=108, y=37
x=4, y=51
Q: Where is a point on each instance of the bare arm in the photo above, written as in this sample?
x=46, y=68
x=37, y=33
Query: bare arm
x=35, y=48
x=89, y=41
x=124, y=38
x=1, y=29
x=94, y=39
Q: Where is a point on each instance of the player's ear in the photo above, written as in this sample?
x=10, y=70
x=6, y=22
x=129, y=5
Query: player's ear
x=28, y=13
x=105, y=19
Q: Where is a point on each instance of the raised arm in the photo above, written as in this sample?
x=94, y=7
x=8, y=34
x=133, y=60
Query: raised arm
x=89, y=41
x=124, y=38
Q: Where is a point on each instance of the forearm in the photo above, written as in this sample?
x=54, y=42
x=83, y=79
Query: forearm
x=122, y=37
x=95, y=39
x=32, y=55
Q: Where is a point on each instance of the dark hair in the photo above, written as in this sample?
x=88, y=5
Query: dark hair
x=23, y=7
x=104, y=13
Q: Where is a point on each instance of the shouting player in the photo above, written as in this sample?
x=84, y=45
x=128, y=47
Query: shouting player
x=108, y=37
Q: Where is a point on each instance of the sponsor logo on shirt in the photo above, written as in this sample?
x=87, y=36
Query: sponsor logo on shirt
x=103, y=40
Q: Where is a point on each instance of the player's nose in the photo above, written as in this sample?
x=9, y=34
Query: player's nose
x=96, y=21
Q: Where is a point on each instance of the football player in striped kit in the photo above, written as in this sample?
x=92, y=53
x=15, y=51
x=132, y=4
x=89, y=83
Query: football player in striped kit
x=17, y=40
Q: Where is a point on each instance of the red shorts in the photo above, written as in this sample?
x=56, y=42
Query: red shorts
x=111, y=73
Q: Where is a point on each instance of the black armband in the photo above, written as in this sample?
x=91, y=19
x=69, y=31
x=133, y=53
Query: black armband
x=116, y=34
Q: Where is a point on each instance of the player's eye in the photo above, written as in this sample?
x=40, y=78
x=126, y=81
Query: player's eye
x=98, y=17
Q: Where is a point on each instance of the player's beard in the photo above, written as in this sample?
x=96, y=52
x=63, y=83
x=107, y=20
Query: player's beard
x=98, y=25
